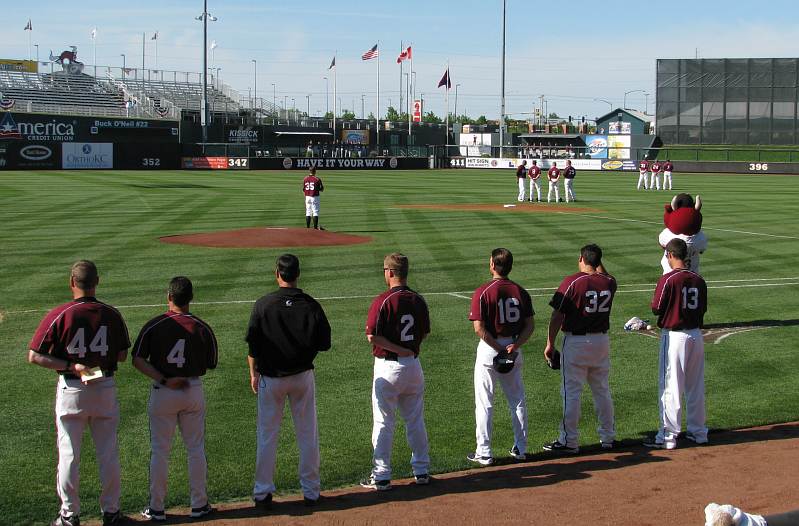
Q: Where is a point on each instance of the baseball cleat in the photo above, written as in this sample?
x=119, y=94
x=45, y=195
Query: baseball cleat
x=478, y=459
x=66, y=521
x=264, y=503
x=310, y=503
x=112, y=517
x=696, y=441
x=613, y=444
x=659, y=445
x=196, y=513
x=153, y=515
x=423, y=479
x=372, y=483
x=514, y=452
x=556, y=447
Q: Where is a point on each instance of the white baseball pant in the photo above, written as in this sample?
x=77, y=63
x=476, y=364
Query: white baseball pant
x=667, y=180
x=568, y=189
x=521, y=189
x=311, y=205
x=485, y=380
x=534, y=184
x=185, y=408
x=400, y=385
x=300, y=389
x=642, y=179
x=76, y=406
x=654, y=181
x=553, y=185
x=682, y=369
x=586, y=358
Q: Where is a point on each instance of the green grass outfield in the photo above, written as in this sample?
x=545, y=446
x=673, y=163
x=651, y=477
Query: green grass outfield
x=51, y=219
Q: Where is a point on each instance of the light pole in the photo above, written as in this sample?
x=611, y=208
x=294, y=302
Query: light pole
x=607, y=102
x=502, y=103
x=456, y=102
x=327, y=98
x=217, y=77
x=254, y=82
x=646, y=103
x=37, y=55
x=308, y=105
x=363, y=113
x=204, y=17
x=624, y=106
x=123, y=65
x=274, y=98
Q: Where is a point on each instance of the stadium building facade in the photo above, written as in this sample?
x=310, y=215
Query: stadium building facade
x=727, y=101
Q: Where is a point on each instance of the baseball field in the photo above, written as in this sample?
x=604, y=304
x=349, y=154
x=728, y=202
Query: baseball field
x=440, y=221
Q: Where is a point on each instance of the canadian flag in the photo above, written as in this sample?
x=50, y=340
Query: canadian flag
x=405, y=55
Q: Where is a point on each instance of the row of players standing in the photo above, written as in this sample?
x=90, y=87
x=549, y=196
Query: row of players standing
x=287, y=329
x=649, y=174
x=553, y=176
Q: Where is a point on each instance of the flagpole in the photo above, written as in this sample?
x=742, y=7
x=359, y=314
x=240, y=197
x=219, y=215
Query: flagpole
x=410, y=79
x=400, y=79
x=335, y=92
x=377, y=114
x=94, y=53
x=30, y=39
x=446, y=87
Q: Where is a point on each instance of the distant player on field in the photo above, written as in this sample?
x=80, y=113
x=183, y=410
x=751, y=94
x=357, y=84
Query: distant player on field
x=534, y=173
x=667, y=168
x=521, y=175
x=311, y=187
x=643, y=169
x=553, y=175
x=654, y=181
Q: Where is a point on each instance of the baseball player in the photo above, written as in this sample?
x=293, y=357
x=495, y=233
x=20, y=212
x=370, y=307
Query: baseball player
x=286, y=331
x=175, y=349
x=502, y=315
x=569, y=173
x=643, y=173
x=553, y=174
x=667, y=168
x=582, y=306
x=534, y=173
x=397, y=323
x=521, y=174
x=311, y=187
x=680, y=303
x=654, y=181
x=84, y=340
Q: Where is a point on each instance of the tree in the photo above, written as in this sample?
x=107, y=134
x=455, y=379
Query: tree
x=481, y=120
x=392, y=114
x=431, y=118
x=347, y=115
x=329, y=115
x=371, y=116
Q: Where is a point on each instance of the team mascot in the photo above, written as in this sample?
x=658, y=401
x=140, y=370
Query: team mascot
x=683, y=218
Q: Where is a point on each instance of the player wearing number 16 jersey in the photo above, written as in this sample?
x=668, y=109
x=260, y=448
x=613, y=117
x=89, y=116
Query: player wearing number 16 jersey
x=73, y=338
x=582, y=306
x=502, y=315
x=311, y=187
x=680, y=302
x=397, y=322
x=175, y=349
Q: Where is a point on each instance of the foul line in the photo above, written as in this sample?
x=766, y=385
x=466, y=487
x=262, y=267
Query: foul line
x=466, y=294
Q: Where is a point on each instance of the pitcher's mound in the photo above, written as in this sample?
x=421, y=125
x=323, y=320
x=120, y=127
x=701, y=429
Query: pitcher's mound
x=267, y=237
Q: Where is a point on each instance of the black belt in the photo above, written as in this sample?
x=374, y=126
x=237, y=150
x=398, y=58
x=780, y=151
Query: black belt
x=583, y=333
x=72, y=376
x=392, y=357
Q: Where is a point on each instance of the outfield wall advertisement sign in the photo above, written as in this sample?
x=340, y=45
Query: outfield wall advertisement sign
x=512, y=163
x=87, y=156
x=64, y=128
x=27, y=156
x=619, y=147
x=597, y=146
x=26, y=66
x=355, y=136
x=370, y=163
x=617, y=165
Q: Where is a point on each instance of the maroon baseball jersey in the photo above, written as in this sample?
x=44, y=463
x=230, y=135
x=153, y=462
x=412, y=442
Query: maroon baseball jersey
x=83, y=331
x=668, y=167
x=569, y=172
x=534, y=172
x=401, y=316
x=177, y=345
x=643, y=166
x=312, y=185
x=521, y=171
x=503, y=306
x=680, y=300
x=553, y=173
x=655, y=167
x=585, y=300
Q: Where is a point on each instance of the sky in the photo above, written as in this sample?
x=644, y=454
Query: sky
x=573, y=53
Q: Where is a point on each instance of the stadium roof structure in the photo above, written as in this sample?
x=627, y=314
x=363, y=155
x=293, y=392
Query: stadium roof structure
x=643, y=117
x=302, y=133
x=550, y=136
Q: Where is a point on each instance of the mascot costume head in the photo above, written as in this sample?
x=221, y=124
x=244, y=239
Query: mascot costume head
x=683, y=215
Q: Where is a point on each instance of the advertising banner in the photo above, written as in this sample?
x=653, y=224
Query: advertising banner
x=619, y=147
x=597, y=146
x=416, y=112
x=371, y=163
x=26, y=66
x=87, y=155
x=67, y=128
x=619, y=127
x=24, y=156
x=204, y=163
x=355, y=136
x=623, y=166
x=243, y=134
x=146, y=156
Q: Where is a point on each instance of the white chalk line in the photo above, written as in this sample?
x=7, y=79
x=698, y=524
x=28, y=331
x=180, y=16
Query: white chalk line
x=463, y=294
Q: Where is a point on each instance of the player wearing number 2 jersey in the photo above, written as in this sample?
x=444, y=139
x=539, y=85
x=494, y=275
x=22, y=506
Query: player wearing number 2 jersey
x=311, y=187
x=582, y=306
x=680, y=302
x=502, y=315
x=77, y=339
x=175, y=349
x=397, y=323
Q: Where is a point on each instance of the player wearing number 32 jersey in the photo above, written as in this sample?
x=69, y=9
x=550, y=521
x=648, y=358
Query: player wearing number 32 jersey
x=175, y=349
x=502, y=315
x=397, y=322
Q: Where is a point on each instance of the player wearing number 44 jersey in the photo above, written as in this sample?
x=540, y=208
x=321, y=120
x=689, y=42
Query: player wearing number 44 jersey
x=582, y=306
x=397, y=323
x=680, y=302
x=502, y=315
x=175, y=349
x=83, y=340
x=311, y=187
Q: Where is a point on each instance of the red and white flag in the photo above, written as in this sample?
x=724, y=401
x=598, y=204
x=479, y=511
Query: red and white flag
x=372, y=53
x=405, y=55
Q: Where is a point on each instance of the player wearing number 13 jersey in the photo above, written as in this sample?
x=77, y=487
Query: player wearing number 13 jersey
x=502, y=315
x=680, y=302
x=73, y=337
x=582, y=306
x=175, y=349
x=397, y=323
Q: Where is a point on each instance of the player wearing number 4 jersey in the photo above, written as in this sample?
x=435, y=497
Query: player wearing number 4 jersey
x=311, y=187
x=680, y=302
x=83, y=340
x=175, y=349
x=397, y=323
x=502, y=315
x=582, y=306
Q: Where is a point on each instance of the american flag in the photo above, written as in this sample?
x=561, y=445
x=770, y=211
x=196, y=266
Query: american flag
x=372, y=53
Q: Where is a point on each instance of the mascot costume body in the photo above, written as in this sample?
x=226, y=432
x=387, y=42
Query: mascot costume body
x=683, y=219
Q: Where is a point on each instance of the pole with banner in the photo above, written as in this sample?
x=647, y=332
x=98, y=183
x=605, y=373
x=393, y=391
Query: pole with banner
x=335, y=87
x=446, y=134
x=410, y=77
x=400, y=59
x=29, y=29
x=94, y=50
x=377, y=113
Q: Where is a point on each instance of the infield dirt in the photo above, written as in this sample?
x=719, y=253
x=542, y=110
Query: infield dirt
x=267, y=237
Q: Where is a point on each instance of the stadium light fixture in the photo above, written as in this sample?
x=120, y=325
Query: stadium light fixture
x=327, y=98
x=607, y=102
x=204, y=18
x=627, y=93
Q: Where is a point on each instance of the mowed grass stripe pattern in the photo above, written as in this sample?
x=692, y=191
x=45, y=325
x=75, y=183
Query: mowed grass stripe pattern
x=53, y=218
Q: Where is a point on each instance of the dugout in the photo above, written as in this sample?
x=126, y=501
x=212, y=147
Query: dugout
x=554, y=144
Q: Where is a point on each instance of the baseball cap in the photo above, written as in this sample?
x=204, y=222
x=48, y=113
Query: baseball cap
x=504, y=362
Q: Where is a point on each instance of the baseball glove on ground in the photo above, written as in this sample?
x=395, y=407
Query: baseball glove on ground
x=554, y=361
